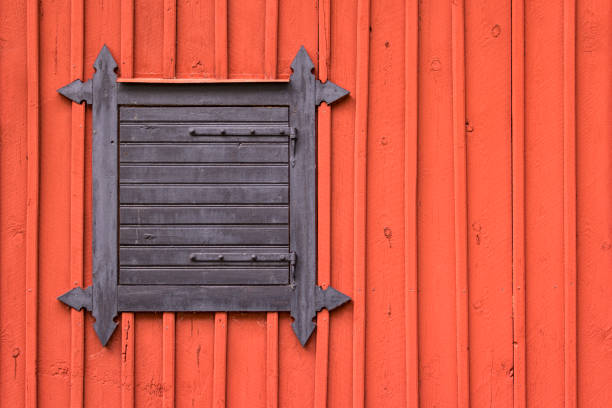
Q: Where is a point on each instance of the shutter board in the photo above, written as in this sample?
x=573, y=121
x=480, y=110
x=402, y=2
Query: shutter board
x=233, y=152
x=203, y=194
x=204, y=173
x=207, y=214
x=264, y=275
x=212, y=176
x=210, y=114
x=175, y=256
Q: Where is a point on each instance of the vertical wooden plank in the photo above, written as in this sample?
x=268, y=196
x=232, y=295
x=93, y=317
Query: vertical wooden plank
x=594, y=207
x=323, y=208
x=359, y=210
x=411, y=61
x=272, y=360
x=271, y=39
x=169, y=325
x=127, y=360
x=569, y=201
x=221, y=61
x=220, y=360
x=489, y=200
x=127, y=38
x=77, y=184
x=32, y=204
x=13, y=206
x=272, y=343
x=220, y=336
x=169, y=352
x=544, y=203
x=385, y=261
x=342, y=69
x=127, y=319
x=460, y=188
x=518, y=204
x=169, y=46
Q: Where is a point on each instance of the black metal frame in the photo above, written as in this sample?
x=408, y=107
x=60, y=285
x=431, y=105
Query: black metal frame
x=302, y=297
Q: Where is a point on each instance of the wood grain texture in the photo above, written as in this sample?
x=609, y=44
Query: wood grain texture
x=594, y=189
x=32, y=205
x=324, y=203
x=460, y=198
x=411, y=63
x=13, y=204
x=359, y=210
x=537, y=356
x=77, y=200
x=518, y=206
x=569, y=205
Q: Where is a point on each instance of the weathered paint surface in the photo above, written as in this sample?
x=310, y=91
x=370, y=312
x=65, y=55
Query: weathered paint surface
x=465, y=205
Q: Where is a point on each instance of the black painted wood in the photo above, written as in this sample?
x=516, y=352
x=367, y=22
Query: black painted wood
x=205, y=153
x=205, y=276
x=302, y=206
x=105, y=202
x=204, y=194
x=210, y=114
x=219, y=94
x=184, y=298
x=204, y=214
x=204, y=235
x=177, y=256
x=214, y=186
x=177, y=132
x=229, y=173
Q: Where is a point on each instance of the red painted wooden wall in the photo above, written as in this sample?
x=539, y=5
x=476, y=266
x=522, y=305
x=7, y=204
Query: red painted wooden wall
x=465, y=203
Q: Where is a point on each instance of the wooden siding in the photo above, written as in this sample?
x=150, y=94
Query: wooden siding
x=464, y=203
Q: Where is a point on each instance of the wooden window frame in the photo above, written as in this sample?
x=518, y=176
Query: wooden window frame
x=106, y=297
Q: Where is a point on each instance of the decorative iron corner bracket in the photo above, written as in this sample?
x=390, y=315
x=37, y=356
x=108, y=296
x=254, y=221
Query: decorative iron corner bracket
x=78, y=298
x=112, y=292
x=78, y=91
x=329, y=92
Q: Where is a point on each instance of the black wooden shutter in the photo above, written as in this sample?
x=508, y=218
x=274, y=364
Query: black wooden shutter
x=204, y=196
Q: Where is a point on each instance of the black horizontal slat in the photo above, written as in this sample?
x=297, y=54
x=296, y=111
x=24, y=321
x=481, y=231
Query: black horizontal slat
x=203, y=94
x=204, y=215
x=204, y=276
x=204, y=153
x=203, y=194
x=185, y=298
x=204, y=114
x=173, y=256
x=204, y=174
x=203, y=235
x=172, y=133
